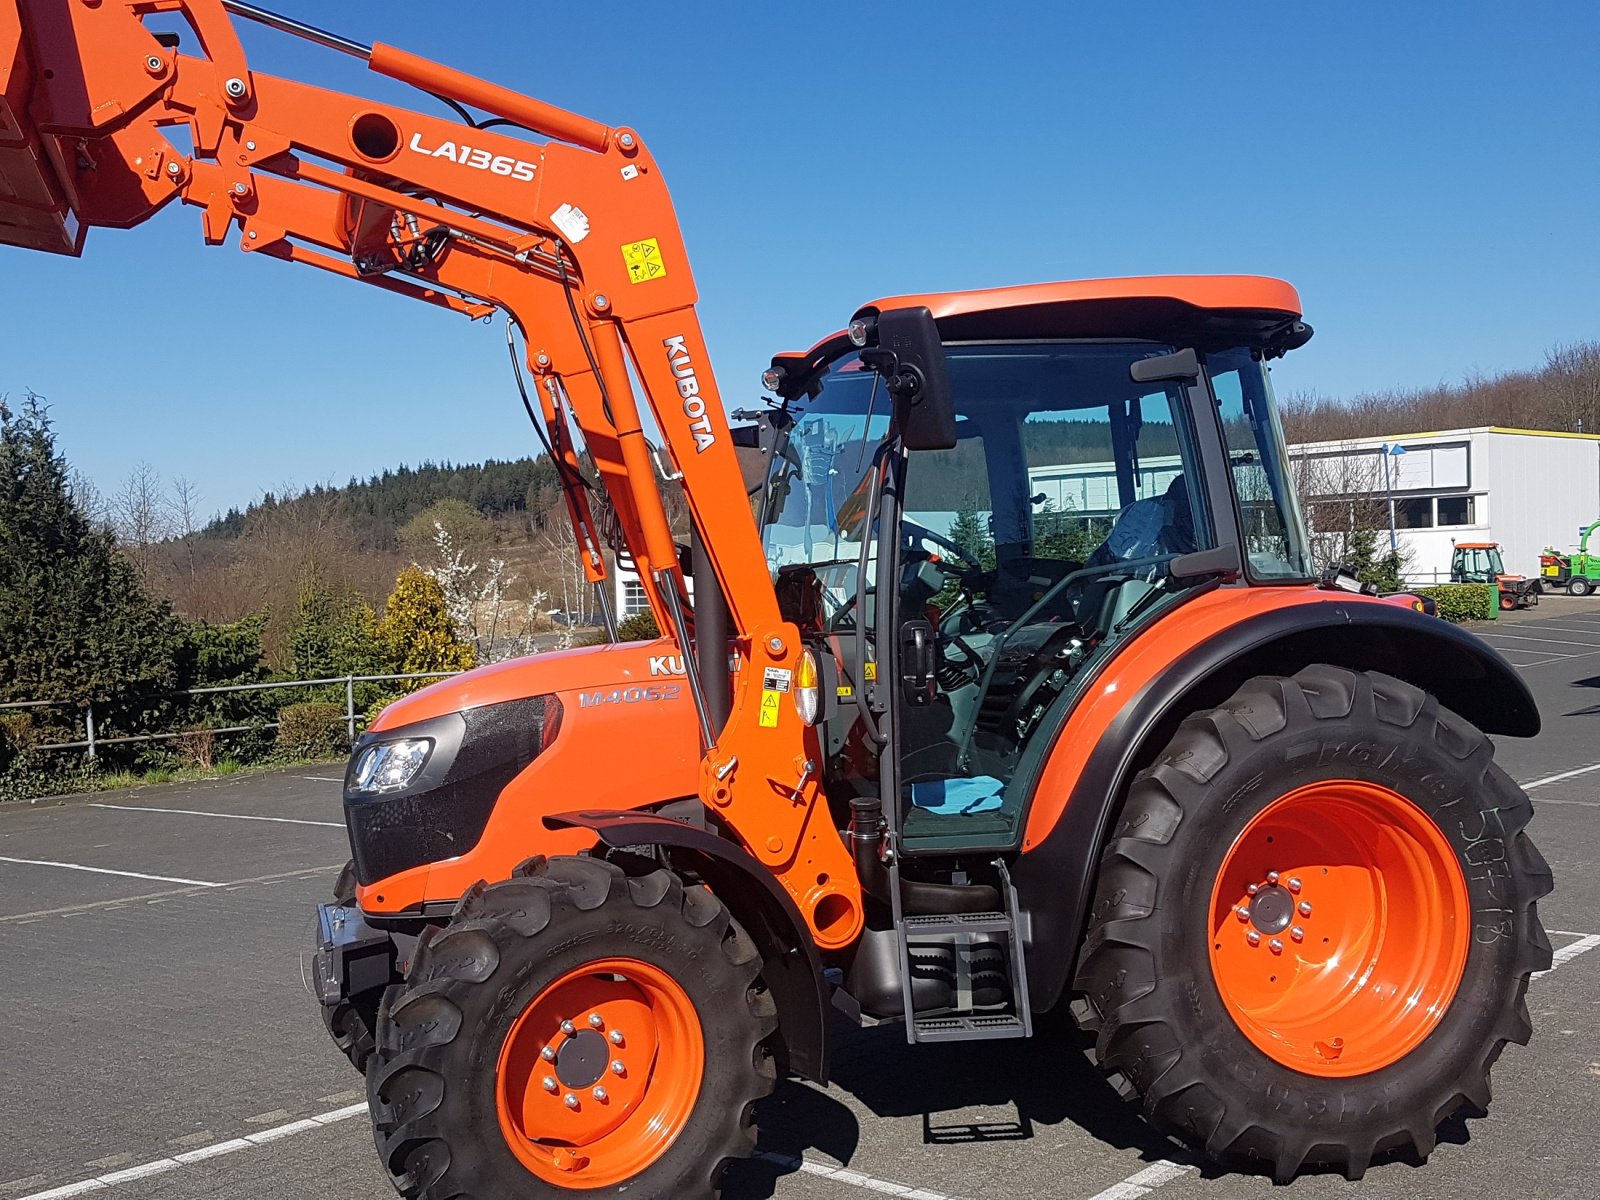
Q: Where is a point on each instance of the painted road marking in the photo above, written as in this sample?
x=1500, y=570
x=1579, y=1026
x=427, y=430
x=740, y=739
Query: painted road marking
x=41, y=862
x=1559, y=629
x=1517, y=637
x=871, y=1183
x=161, y=1166
x=71, y=910
x=323, y=778
x=1558, y=658
x=1164, y=1171
x=1142, y=1183
x=1563, y=775
x=194, y=812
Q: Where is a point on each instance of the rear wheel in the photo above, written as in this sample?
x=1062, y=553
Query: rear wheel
x=1508, y=601
x=1579, y=586
x=574, y=1031
x=1315, y=924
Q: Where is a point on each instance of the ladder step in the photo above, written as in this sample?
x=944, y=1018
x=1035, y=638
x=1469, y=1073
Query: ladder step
x=978, y=922
x=968, y=1029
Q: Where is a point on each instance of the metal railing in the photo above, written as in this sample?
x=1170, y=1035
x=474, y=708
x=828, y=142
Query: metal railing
x=91, y=741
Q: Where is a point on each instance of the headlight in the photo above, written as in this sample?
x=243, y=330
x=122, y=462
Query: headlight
x=390, y=766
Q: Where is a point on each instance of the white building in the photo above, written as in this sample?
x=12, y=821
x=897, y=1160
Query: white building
x=1523, y=488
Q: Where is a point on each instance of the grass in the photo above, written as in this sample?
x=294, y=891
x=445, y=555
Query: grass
x=82, y=780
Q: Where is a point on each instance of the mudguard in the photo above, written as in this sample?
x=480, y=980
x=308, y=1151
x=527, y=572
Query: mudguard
x=1055, y=876
x=792, y=968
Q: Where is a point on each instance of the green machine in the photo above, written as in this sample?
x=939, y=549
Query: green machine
x=1579, y=572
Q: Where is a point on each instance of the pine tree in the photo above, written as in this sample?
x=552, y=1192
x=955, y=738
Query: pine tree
x=75, y=622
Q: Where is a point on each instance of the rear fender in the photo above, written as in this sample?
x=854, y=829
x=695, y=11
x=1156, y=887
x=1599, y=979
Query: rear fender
x=1072, y=808
x=791, y=966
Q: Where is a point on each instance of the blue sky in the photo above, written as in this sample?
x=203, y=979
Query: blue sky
x=1427, y=175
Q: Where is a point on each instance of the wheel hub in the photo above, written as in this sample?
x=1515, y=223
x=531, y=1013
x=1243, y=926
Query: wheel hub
x=1272, y=909
x=582, y=1059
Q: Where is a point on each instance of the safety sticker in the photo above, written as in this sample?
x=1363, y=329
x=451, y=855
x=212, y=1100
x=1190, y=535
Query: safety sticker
x=844, y=691
x=643, y=260
x=870, y=670
x=572, y=221
x=776, y=679
x=770, y=702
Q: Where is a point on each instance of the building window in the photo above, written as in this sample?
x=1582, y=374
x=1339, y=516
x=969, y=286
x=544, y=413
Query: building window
x=633, y=599
x=1413, y=514
x=1457, y=510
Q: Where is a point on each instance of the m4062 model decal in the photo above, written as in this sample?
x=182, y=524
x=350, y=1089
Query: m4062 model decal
x=633, y=695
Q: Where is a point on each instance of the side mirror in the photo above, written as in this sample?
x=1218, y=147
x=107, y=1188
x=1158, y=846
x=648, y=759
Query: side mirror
x=910, y=357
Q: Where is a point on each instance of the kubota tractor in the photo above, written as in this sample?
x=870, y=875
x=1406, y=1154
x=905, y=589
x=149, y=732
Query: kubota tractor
x=1005, y=685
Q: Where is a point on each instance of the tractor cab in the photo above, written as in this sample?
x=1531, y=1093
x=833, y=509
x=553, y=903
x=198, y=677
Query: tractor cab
x=966, y=593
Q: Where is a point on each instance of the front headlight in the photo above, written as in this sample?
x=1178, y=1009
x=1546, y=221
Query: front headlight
x=390, y=766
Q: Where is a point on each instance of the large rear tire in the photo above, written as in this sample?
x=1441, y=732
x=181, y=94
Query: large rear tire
x=574, y=1031
x=1295, y=863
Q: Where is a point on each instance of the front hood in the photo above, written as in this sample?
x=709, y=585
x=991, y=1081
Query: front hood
x=538, y=675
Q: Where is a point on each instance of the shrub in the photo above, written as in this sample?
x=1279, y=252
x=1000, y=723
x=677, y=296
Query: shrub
x=197, y=747
x=1463, y=601
x=17, y=736
x=312, y=731
x=641, y=627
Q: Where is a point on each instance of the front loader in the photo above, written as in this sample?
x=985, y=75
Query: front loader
x=1004, y=687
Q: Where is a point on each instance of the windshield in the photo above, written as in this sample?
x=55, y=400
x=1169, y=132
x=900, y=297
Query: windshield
x=1269, y=515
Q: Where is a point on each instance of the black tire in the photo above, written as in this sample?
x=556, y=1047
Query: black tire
x=353, y=1022
x=1578, y=585
x=432, y=1083
x=1149, y=994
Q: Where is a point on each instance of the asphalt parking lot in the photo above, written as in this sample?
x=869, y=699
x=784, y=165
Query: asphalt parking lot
x=159, y=1042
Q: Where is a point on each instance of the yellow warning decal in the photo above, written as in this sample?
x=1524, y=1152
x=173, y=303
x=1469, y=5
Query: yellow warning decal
x=643, y=260
x=871, y=672
x=844, y=691
x=769, y=709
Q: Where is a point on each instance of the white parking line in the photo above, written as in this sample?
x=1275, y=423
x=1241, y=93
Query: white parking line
x=845, y=1175
x=1595, y=629
x=194, y=812
x=161, y=1166
x=42, y=862
x=324, y=778
x=1557, y=658
x=1558, y=778
x=1547, y=641
x=1163, y=1171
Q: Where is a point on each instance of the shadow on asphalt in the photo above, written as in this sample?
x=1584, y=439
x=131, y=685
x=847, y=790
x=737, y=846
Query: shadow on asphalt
x=1048, y=1080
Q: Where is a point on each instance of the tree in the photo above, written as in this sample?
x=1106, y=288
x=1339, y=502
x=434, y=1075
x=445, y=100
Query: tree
x=417, y=630
x=334, y=633
x=469, y=530
x=76, y=623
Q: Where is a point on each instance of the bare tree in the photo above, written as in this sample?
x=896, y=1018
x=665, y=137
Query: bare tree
x=183, y=508
x=90, y=499
x=139, y=513
x=1341, y=491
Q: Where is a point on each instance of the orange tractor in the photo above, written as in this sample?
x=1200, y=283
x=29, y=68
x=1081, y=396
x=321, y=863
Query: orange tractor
x=1005, y=686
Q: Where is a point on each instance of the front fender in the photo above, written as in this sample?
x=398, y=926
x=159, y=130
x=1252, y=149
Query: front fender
x=1206, y=657
x=791, y=966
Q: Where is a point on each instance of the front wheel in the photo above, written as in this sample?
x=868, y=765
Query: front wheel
x=574, y=1032
x=1315, y=924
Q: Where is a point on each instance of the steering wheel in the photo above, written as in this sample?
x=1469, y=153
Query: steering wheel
x=924, y=534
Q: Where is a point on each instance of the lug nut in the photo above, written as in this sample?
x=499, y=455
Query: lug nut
x=1252, y=889
x=570, y=1100
x=617, y=1068
x=1305, y=908
x=1272, y=877
x=1275, y=945
x=1242, y=912
x=568, y=1028
x=1253, y=938
x=1298, y=934
x=599, y=1093
x=550, y=1084
x=548, y=1054
x=594, y=1021
x=1295, y=885
x=616, y=1037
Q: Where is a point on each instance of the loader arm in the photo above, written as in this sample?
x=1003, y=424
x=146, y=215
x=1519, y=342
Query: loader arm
x=573, y=236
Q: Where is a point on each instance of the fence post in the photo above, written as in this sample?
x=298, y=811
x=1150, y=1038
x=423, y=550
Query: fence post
x=88, y=728
x=350, y=705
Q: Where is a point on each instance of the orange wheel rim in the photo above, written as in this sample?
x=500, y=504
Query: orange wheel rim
x=599, y=1073
x=1339, y=928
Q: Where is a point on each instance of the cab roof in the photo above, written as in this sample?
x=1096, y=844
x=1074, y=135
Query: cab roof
x=1200, y=310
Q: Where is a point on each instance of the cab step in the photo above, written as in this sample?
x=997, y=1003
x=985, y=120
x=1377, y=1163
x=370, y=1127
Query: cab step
x=978, y=922
x=968, y=1029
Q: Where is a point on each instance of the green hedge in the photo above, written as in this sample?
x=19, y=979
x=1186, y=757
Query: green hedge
x=1464, y=601
x=313, y=731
